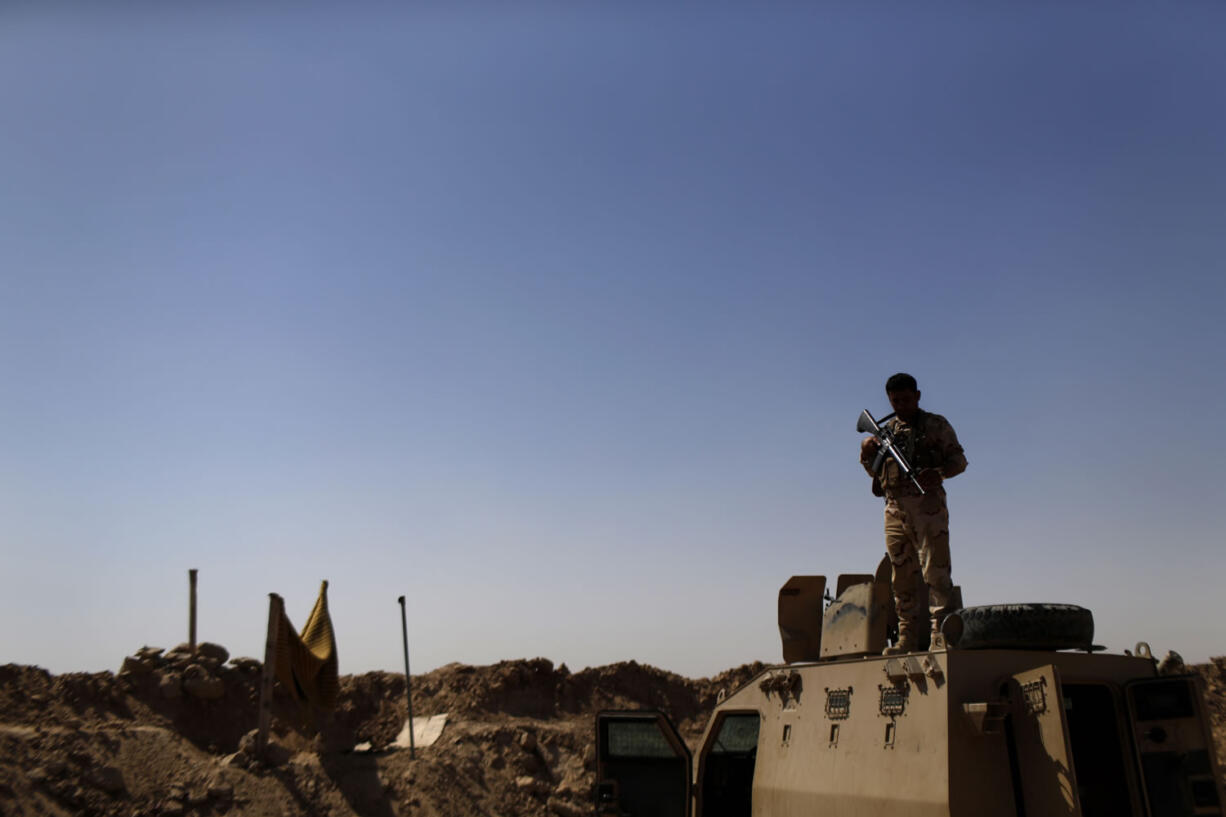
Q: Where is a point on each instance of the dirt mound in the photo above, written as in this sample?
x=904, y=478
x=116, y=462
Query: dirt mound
x=372, y=706
x=1214, y=675
x=169, y=735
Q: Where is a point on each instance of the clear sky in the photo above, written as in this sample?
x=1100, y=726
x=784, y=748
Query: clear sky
x=557, y=318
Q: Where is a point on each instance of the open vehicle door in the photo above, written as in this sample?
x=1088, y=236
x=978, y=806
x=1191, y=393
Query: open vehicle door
x=643, y=767
x=1041, y=741
x=1174, y=747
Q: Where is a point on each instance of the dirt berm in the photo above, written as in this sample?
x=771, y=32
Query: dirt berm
x=169, y=735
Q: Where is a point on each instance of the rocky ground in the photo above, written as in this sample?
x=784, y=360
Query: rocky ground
x=1214, y=674
x=170, y=735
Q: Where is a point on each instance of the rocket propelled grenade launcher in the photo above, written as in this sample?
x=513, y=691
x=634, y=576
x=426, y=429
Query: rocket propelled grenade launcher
x=867, y=425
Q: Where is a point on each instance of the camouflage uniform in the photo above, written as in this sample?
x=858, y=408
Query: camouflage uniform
x=917, y=526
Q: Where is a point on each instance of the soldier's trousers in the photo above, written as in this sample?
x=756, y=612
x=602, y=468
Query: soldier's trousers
x=917, y=542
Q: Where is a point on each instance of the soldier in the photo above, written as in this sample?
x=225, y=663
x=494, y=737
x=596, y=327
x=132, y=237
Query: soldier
x=916, y=526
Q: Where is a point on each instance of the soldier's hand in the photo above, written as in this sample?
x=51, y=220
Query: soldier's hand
x=869, y=447
x=929, y=477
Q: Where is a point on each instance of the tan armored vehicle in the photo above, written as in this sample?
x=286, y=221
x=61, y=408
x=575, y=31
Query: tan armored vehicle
x=1017, y=715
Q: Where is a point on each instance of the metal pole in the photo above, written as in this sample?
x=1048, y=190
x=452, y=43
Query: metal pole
x=408, y=692
x=275, y=606
x=191, y=610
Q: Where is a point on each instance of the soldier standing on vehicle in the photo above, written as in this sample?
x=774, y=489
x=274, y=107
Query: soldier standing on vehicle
x=916, y=525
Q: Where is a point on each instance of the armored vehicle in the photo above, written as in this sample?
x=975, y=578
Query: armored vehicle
x=1015, y=714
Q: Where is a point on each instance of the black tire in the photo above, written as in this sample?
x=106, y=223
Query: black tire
x=1024, y=627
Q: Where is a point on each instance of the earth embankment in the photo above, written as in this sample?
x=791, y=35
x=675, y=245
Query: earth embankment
x=171, y=735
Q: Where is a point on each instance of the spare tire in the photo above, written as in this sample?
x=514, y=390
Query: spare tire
x=1021, y=627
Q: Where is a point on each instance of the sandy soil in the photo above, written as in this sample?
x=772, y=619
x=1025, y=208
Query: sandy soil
x=169, y=735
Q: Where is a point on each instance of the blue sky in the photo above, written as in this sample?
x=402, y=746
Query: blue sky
x=557, y=318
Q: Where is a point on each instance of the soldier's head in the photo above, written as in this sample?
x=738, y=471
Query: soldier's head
x=904, y=394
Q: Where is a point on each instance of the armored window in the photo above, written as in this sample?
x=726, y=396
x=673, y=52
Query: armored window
x=893, y=700
x=1159, y=701
x=838, y=703
x=738, y=734
x=638, y=739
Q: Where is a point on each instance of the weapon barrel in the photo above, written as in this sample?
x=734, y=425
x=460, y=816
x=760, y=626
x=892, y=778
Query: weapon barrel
x=905, y=466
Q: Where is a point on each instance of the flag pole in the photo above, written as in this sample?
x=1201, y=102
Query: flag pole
x=191, y=610
x=275, y=607
x=408, y=693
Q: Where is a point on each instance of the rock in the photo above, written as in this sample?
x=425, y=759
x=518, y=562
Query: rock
x=149, y=653
x=107, y=778
x=171, y=808
x=171, y=686
x=209, y=689
x=198, y=683
x=195, y=671
x=246, y=664
x=215, y=651
x=274, y=753
x=39, y=775
x=246, y=744
x=221, y=792
x=135, y=666
x=527, y=741
x=180, y=656
x=531, y=785
x=239, y=760
x=564, y=809
x=574, y=783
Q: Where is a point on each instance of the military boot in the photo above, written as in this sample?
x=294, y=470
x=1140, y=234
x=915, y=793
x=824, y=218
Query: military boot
x=906, y=643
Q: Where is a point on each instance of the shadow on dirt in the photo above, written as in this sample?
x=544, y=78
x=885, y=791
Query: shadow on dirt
x=357, y=778
x=288, y=781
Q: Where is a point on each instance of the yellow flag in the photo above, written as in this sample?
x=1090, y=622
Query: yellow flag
x=306, y=664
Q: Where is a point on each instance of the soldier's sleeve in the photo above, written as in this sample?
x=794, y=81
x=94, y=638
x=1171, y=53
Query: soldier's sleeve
x=953, y=458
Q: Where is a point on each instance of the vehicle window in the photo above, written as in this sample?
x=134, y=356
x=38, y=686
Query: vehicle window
x=1160, y=701
x=638, y=739
x=738, y=734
